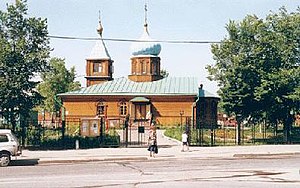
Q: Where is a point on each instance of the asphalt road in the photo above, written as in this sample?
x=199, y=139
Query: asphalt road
x=266, y=171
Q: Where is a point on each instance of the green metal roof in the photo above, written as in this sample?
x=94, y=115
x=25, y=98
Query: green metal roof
x=123, y=86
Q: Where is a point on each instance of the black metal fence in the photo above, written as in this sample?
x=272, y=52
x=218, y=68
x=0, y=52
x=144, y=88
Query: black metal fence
x=136, y=134
x=246, y=134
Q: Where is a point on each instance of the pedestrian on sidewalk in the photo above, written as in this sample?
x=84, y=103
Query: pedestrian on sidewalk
x=152, y=141
x=185, y=143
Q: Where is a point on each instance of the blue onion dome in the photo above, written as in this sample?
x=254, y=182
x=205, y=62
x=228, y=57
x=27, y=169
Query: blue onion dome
x=147, y=47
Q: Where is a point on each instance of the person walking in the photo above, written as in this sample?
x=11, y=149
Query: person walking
x=184, y=139
x=152, y=141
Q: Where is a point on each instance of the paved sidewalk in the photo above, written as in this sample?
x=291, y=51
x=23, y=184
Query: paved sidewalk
x=168, y=149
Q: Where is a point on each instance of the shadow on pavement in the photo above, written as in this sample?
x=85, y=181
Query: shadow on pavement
x=24, y=162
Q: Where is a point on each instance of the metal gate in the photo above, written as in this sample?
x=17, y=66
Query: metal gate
x=134, y=134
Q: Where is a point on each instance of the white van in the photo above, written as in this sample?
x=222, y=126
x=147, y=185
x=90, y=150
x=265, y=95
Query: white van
x=9, y=146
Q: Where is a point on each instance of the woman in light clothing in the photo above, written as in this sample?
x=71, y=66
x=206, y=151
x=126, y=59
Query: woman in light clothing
x=184, y=139
x=152, y=142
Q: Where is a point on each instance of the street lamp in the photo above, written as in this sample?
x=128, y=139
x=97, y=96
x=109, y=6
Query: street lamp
x=181, y=114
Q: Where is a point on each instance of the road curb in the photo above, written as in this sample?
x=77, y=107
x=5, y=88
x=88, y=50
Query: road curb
x=257, y=155
x=65, y=161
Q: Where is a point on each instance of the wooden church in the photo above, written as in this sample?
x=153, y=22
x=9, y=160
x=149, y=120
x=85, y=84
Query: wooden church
x=168, y=100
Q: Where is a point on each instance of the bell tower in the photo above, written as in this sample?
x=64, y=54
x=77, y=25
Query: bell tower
x=145, y=63
x=99, y=65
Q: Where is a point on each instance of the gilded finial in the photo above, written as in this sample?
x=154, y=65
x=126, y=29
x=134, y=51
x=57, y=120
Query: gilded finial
x=146, y=21
x=100, y=28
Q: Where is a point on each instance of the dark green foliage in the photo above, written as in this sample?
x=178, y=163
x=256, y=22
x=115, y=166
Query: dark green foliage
x=24, y=50
x=57, y=80
x=257, y=67
x=42, y=138
x=84, y=142
x=164, y=73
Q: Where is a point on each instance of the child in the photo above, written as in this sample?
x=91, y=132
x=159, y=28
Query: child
x=184, y=139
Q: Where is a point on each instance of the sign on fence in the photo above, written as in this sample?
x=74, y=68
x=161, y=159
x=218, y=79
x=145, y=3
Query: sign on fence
x=90, y=127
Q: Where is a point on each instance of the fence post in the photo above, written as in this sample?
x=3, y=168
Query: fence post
x=76, y=144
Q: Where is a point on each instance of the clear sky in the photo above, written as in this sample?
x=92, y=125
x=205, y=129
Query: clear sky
x=201, y=20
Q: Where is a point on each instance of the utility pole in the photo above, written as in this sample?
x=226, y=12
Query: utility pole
x=238, y=132
x=63, y=122
x=63, y=117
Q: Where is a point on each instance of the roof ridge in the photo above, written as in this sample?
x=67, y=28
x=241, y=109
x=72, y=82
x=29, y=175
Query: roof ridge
x=172, y=85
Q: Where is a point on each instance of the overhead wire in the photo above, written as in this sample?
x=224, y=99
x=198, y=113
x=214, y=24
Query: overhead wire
x=133, y=40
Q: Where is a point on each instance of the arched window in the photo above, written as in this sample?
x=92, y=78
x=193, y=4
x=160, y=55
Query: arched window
x=123, y=108
x=100, y=109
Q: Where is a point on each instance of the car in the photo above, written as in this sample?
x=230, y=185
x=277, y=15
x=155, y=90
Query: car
x=9, y=146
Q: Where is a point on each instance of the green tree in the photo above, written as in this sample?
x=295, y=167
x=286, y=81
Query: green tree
x=164, y=73
x=257, y=67
x=57, y=80
x=24, y=49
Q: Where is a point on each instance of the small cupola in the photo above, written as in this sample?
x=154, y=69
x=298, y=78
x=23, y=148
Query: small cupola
x=145, y=62
x=99, y=65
